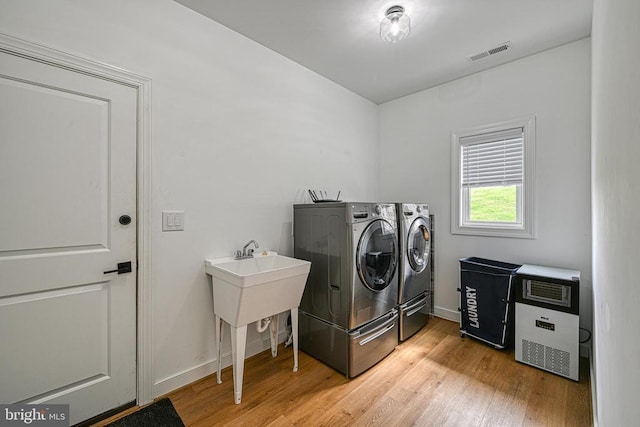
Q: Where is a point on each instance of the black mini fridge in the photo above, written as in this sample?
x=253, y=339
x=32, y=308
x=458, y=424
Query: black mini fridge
x=487, y=300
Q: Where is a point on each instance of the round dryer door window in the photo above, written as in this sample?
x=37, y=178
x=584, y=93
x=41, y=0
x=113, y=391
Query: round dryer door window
x=418, y=244
x=377, y=255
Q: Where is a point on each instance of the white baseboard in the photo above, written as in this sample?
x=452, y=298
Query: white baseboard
x=190, y=375
x=180, y=379
x=195, y=373
x=183, y=378
x=447, y=314
x=454, y=316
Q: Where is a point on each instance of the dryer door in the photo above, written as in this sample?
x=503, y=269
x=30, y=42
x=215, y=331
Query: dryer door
x=377, y=255
x=419, y=244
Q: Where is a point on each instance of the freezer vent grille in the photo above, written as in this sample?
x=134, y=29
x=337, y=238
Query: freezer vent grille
x=533, y=353
x=550, y=293
x=487, y=53
x=549, y=358
x=545, y=290
x=557, y=361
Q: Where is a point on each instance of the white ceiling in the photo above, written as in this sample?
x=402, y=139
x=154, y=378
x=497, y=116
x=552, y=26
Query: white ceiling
x=340, y=40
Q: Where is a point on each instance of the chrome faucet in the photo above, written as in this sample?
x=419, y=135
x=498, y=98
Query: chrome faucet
x=246, y=253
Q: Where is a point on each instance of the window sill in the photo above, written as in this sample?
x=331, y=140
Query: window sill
x=517, y=233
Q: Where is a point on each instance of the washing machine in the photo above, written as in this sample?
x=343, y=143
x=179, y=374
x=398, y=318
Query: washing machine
x=414, y=291
x=348, y=317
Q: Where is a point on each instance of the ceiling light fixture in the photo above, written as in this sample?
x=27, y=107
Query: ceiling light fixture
x=396, y=25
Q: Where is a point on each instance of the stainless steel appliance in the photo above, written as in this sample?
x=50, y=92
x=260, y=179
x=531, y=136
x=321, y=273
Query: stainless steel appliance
x=547, y=319
x=347, y=316
x=414, y=296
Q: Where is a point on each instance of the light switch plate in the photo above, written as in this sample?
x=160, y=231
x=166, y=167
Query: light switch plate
x=172, y=220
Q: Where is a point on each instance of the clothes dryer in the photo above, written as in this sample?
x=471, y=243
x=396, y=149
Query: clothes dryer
x=348, y=316
x=414, y=295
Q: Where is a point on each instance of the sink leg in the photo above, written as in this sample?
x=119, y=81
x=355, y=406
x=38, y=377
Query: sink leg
x=273, y=334
x=294, y=332
x=238, y=345
x=219, y=338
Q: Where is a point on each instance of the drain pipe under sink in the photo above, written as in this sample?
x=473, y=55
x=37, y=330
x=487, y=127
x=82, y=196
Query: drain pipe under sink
x=263, y=324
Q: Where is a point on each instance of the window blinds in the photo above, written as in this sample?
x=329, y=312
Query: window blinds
x=491, y=159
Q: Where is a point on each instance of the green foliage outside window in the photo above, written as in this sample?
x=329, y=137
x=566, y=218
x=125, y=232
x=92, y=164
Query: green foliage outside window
x=493, y=204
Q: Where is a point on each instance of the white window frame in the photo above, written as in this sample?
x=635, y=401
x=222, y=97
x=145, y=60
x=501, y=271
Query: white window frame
x=459, y=195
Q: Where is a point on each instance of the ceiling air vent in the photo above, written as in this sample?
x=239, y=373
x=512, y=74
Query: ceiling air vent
x=487, y=53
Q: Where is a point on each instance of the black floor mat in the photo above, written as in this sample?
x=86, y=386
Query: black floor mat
x=158, y=414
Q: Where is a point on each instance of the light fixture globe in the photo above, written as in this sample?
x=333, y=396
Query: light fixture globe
x=396, y=25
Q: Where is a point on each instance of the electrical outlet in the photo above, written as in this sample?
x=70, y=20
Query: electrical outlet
x=172, y=220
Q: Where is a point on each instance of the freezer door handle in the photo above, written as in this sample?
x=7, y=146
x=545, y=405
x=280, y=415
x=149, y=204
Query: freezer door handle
x=377, y=334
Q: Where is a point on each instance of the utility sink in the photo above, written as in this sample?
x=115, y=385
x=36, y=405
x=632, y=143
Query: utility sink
x=249, y=290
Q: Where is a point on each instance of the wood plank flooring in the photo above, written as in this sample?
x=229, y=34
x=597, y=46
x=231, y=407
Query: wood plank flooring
x=435, y=378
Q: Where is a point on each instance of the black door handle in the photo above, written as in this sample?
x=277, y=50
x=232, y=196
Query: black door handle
x=123, y=267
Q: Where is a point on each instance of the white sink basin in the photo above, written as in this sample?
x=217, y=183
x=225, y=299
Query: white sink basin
x=245, y=291
x=248, y=290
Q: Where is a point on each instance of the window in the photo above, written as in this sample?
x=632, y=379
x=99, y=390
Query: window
x=492, y=179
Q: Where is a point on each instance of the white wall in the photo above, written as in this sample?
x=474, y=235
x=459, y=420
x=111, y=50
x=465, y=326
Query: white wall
x=238, y=133
x=415, y=139
x=616, y=201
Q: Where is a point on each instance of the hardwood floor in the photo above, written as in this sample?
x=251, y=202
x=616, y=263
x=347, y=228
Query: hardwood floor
x=435, y=378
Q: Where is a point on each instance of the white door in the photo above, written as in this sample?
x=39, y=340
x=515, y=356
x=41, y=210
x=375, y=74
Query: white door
x=67, y=175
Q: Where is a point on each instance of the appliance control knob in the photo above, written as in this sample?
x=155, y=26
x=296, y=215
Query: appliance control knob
x=419, y=209
x=378, y=209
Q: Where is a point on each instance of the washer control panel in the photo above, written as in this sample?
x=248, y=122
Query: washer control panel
x=410, y=210
x=367, y=211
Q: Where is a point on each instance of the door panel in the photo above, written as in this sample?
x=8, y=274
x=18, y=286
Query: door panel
x=23, y=317
x=67, y=172
x=45, y=146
